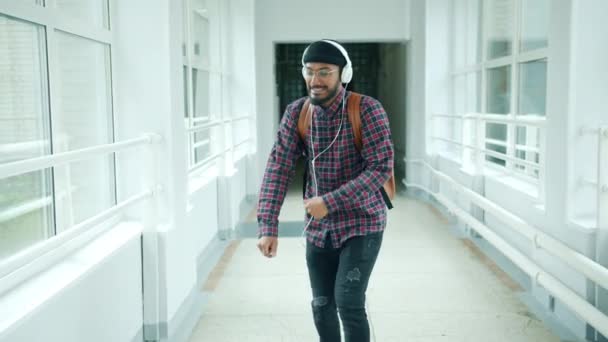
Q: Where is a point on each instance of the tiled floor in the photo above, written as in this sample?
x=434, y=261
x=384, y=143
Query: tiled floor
x=428, y=285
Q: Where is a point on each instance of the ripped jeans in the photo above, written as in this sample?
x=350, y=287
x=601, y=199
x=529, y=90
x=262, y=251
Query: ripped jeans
x=339, y=278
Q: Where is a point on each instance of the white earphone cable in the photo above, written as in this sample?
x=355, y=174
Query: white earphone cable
x=312, y=147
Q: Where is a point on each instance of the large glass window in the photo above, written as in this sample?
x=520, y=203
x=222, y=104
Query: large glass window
x=499, y=90
x=456, y=134
x=26, y=206
x=499, y=28
x=534, y=25
x=532, y=88
x=500, y=107
x=83, y=118
x=200, y=31
x=208, y=116
x=202, y=81
x=93, y=12
x=201, y=104
x=52, y=103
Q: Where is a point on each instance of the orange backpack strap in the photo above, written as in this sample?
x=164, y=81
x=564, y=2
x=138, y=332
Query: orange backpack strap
x=304, y=119
x=354, y=116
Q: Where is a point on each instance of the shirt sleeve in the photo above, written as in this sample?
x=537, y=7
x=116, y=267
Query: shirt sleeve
x=377, y=153
x=280, y=170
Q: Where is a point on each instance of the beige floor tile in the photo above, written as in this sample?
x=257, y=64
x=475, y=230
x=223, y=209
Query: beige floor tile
x=427, y=286
x=259, y=328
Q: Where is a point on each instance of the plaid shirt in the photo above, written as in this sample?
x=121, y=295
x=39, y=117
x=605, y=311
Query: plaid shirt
x=348, y=180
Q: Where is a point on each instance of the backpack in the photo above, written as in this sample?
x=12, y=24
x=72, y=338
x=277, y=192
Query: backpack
x=354, y=117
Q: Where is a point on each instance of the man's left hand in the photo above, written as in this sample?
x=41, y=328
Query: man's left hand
x=316, y=207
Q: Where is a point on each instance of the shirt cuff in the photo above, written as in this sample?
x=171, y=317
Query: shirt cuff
x=268, y=231
x=330, y=202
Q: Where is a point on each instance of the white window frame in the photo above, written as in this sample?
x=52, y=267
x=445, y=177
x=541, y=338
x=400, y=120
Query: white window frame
x=473, y=151
x=52, y=20
x=226, y=147
x=215, y=68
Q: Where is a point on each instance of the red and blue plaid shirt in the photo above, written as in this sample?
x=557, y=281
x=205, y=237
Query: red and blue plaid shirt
x=348, y=179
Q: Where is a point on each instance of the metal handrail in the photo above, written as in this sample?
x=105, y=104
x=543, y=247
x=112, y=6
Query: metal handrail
x=28, y=262
x=522, y=120
x=12, y=270
x=574, y=259
x=491, y=153
x=24, y=166
x=204, y=126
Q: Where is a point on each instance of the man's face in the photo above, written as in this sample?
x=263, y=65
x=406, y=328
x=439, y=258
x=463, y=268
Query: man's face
x=322, y=82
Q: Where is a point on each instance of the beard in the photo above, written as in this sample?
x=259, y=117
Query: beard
x=331, y=93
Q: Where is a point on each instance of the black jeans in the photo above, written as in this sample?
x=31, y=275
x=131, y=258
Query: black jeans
x=339, y=279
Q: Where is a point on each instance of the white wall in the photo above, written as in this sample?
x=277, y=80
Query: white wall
x=416, y=90
x=94, y=295
x=241, y=53
x=297, y=21
x=149, y=61
x=428, y=66
x=241, y=49
x=239, y=62
x=588, y=108
x=588, y=103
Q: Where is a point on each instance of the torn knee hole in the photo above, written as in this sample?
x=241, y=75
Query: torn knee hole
x=354, y=275
x=320, y=301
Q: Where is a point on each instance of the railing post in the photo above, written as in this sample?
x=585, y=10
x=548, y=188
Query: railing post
x=150, y=243
x=602, y=219
x=480, y=138
x=542, y=151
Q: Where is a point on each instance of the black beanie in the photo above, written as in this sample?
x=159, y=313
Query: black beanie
x=323, y=52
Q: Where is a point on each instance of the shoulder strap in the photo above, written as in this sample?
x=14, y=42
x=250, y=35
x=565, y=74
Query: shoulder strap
x=354, y=116
x=304, y=119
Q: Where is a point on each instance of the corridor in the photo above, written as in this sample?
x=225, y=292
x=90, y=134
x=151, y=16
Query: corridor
x=135, y=140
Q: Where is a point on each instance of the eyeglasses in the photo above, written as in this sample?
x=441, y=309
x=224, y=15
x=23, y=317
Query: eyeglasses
x=321, y=73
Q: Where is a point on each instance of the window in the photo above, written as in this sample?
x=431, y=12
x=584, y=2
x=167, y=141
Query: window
x=499, y=24
x=203, y=79
x=94, y=12
x=498, y=90
x=52, y=103
x=83, y=118
x=453, y=133
x=215, y=131
x=498, y=85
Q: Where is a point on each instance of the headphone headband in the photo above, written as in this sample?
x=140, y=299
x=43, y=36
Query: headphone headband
x=347, y=71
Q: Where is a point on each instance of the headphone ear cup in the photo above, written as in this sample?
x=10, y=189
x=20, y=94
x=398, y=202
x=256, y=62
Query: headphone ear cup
x=347, y=74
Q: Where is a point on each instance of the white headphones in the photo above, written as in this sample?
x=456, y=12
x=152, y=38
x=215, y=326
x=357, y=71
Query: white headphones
x=347, y=70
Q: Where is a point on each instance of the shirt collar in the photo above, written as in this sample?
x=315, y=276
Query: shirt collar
x=336, y=104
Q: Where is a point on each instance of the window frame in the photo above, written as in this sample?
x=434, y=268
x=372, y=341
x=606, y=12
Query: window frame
x=55, y=22
x=227, y=147
x=214, y=68
x=471, y=153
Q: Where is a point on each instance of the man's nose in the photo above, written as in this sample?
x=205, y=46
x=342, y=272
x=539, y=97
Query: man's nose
x=315, y=80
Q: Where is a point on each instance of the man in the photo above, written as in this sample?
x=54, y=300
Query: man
x=346, y=213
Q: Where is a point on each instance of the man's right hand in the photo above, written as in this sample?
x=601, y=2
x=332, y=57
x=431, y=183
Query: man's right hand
x=268, y=246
